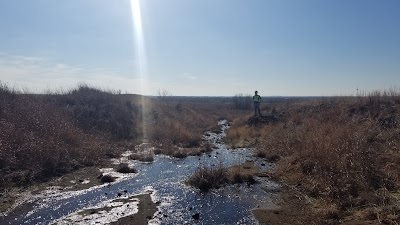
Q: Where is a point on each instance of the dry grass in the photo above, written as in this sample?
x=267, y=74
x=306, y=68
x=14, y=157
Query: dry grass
x=43, y=136
x=345, y=150
x=177, y=127
x=143, y=156
x=47, y=135
x=206, y=178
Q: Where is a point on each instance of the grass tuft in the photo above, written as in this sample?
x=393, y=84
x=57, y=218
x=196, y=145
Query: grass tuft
x=107, y=179
x=124, y=168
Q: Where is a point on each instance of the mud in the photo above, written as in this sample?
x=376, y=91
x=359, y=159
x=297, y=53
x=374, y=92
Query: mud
x=157, y=194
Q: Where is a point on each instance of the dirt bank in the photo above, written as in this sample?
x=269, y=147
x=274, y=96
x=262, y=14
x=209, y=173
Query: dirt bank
x=147, y=208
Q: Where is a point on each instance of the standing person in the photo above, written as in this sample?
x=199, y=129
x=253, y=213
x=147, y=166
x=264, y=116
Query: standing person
x=257, y=100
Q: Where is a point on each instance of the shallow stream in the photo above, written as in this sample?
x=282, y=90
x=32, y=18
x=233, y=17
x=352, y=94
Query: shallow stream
x=165, y=180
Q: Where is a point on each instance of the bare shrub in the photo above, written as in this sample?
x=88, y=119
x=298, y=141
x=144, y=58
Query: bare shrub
x=47, y=135
x=339, y=149
x=213, y=177
x=97, y=110
x=206, y=178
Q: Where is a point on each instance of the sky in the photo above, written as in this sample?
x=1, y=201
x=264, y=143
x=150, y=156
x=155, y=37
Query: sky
x=202, y=47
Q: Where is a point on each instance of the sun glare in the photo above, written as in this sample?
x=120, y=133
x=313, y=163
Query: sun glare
x=139, y=46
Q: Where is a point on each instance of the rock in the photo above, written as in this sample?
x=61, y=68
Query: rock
x=107, y=179
x=99, y=176
x=119, y=194
x=196, y=216
x=124, y=168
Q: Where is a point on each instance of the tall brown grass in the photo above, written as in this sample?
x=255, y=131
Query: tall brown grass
x=342, y=149
x=177, y=125
x=47, y=135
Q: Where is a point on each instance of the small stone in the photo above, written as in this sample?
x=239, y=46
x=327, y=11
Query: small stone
x=196, y=216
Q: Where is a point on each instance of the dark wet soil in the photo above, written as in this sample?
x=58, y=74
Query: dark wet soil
x=147, y=209
x=291, y=208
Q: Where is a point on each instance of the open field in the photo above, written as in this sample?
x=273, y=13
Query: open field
x=340, y=153
x=47, y=135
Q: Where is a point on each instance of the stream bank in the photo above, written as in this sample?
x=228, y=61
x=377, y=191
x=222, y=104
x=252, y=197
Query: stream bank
x=161, y=185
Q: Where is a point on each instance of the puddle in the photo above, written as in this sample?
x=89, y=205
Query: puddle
x=164, y=179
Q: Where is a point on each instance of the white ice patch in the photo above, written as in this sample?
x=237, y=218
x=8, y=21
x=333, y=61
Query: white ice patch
x=116, y=211
x=56, y=193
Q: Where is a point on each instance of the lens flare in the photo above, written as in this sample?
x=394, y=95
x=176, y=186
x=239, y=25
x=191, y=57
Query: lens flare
x=140, y=52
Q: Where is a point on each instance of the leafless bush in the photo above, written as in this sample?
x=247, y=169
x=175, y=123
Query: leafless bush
x=206, y=178
x=340, y=149
x=47, y=135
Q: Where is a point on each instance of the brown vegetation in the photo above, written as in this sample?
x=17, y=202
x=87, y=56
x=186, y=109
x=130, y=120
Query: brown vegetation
x=206, y=178
x=344, y=151
x=39, y=139
x=176, y=127
x=47, y=135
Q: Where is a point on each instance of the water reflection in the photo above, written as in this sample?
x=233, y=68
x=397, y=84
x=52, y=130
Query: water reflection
x=165, y=178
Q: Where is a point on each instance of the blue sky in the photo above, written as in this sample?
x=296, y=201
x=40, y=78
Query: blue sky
x=206, y=48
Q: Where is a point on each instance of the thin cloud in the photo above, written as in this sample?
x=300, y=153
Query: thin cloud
x=38, y=74
x=189, y=76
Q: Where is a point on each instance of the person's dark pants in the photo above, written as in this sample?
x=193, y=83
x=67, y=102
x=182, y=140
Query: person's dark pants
x=257, y=111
